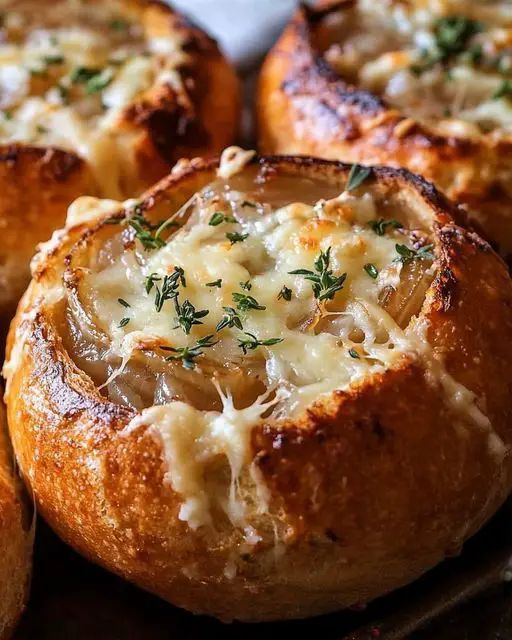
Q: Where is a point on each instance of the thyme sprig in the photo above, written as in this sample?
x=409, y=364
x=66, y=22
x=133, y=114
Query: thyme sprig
x=324, y=283
x=371, y=270
x=451, y=38
x=169, y=288
x=252, y=342
x=230, y=319
x=358, y=174
x=187, y=316
x=285, y=294
x=245, y=302
x=406, y=254
x=149, y=234
x=218, y=218
x=188, y=354
x=381, y=225
x=236, y=237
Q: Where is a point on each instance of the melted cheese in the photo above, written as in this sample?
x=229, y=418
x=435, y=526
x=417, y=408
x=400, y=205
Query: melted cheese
x=381, y=46
x=317, y=342
x=44, y=104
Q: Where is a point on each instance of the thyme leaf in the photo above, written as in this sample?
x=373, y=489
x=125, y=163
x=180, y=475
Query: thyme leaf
x=357, y=176
x=218, y=218
x=251, y=342
x=188, y=354
x=230, y=319
x=188, y=316
x=406, y=254
x=381, y=225
x=245, y=302
x=325, y=284
x=371, y=270
x=285, y=294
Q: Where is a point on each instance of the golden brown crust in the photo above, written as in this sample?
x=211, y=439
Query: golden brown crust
x=305, y=107
x=368, y=489
x=39, y=183
x=37, y=187
x=15, y=540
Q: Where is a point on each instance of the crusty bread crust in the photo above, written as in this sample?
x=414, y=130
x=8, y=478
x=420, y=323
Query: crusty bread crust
x=305, y=107
x=39, y=183
x=369, y=488
x=15, y=539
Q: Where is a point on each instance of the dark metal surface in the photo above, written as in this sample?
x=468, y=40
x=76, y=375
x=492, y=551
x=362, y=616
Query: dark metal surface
x=466, y=598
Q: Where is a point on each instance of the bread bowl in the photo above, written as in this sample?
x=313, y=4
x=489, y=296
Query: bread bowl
x=16, y=536
x=422, y=85
x=98, y=98
x=252, y=443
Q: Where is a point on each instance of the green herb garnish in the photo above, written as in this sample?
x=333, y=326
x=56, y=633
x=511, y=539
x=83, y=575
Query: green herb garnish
x=452, y=35
x=123, y=323
x=124, y=303
x=187, y=355
x=406, y=254
x=285, y=294
x=215, y=283
x=53, y=59
x=99, y=81
x=381, y=225
x=247, y=303
x=119, y=24
x=236, y=237
x=230, y=319
x=95, y=80
x=187, y=316
x=353, y=354
x=503, y=91
x=169, y=288
x=357, y=176
x=246, y=286
x=218, y=218
x=81, y=75
x=149, y=281
x=325, y=283
x=371, y=270
x=63, y=93
x=251, y=342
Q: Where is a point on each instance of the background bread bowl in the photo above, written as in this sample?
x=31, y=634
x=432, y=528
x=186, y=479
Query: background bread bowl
x=306, y=107
x=194, y=111
x=16, y=536
x=344, y=534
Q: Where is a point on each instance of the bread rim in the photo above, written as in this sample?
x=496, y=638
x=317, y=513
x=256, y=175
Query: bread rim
x=304, y=107
x=371, y=487
x=39, y=182
x=16, y=538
